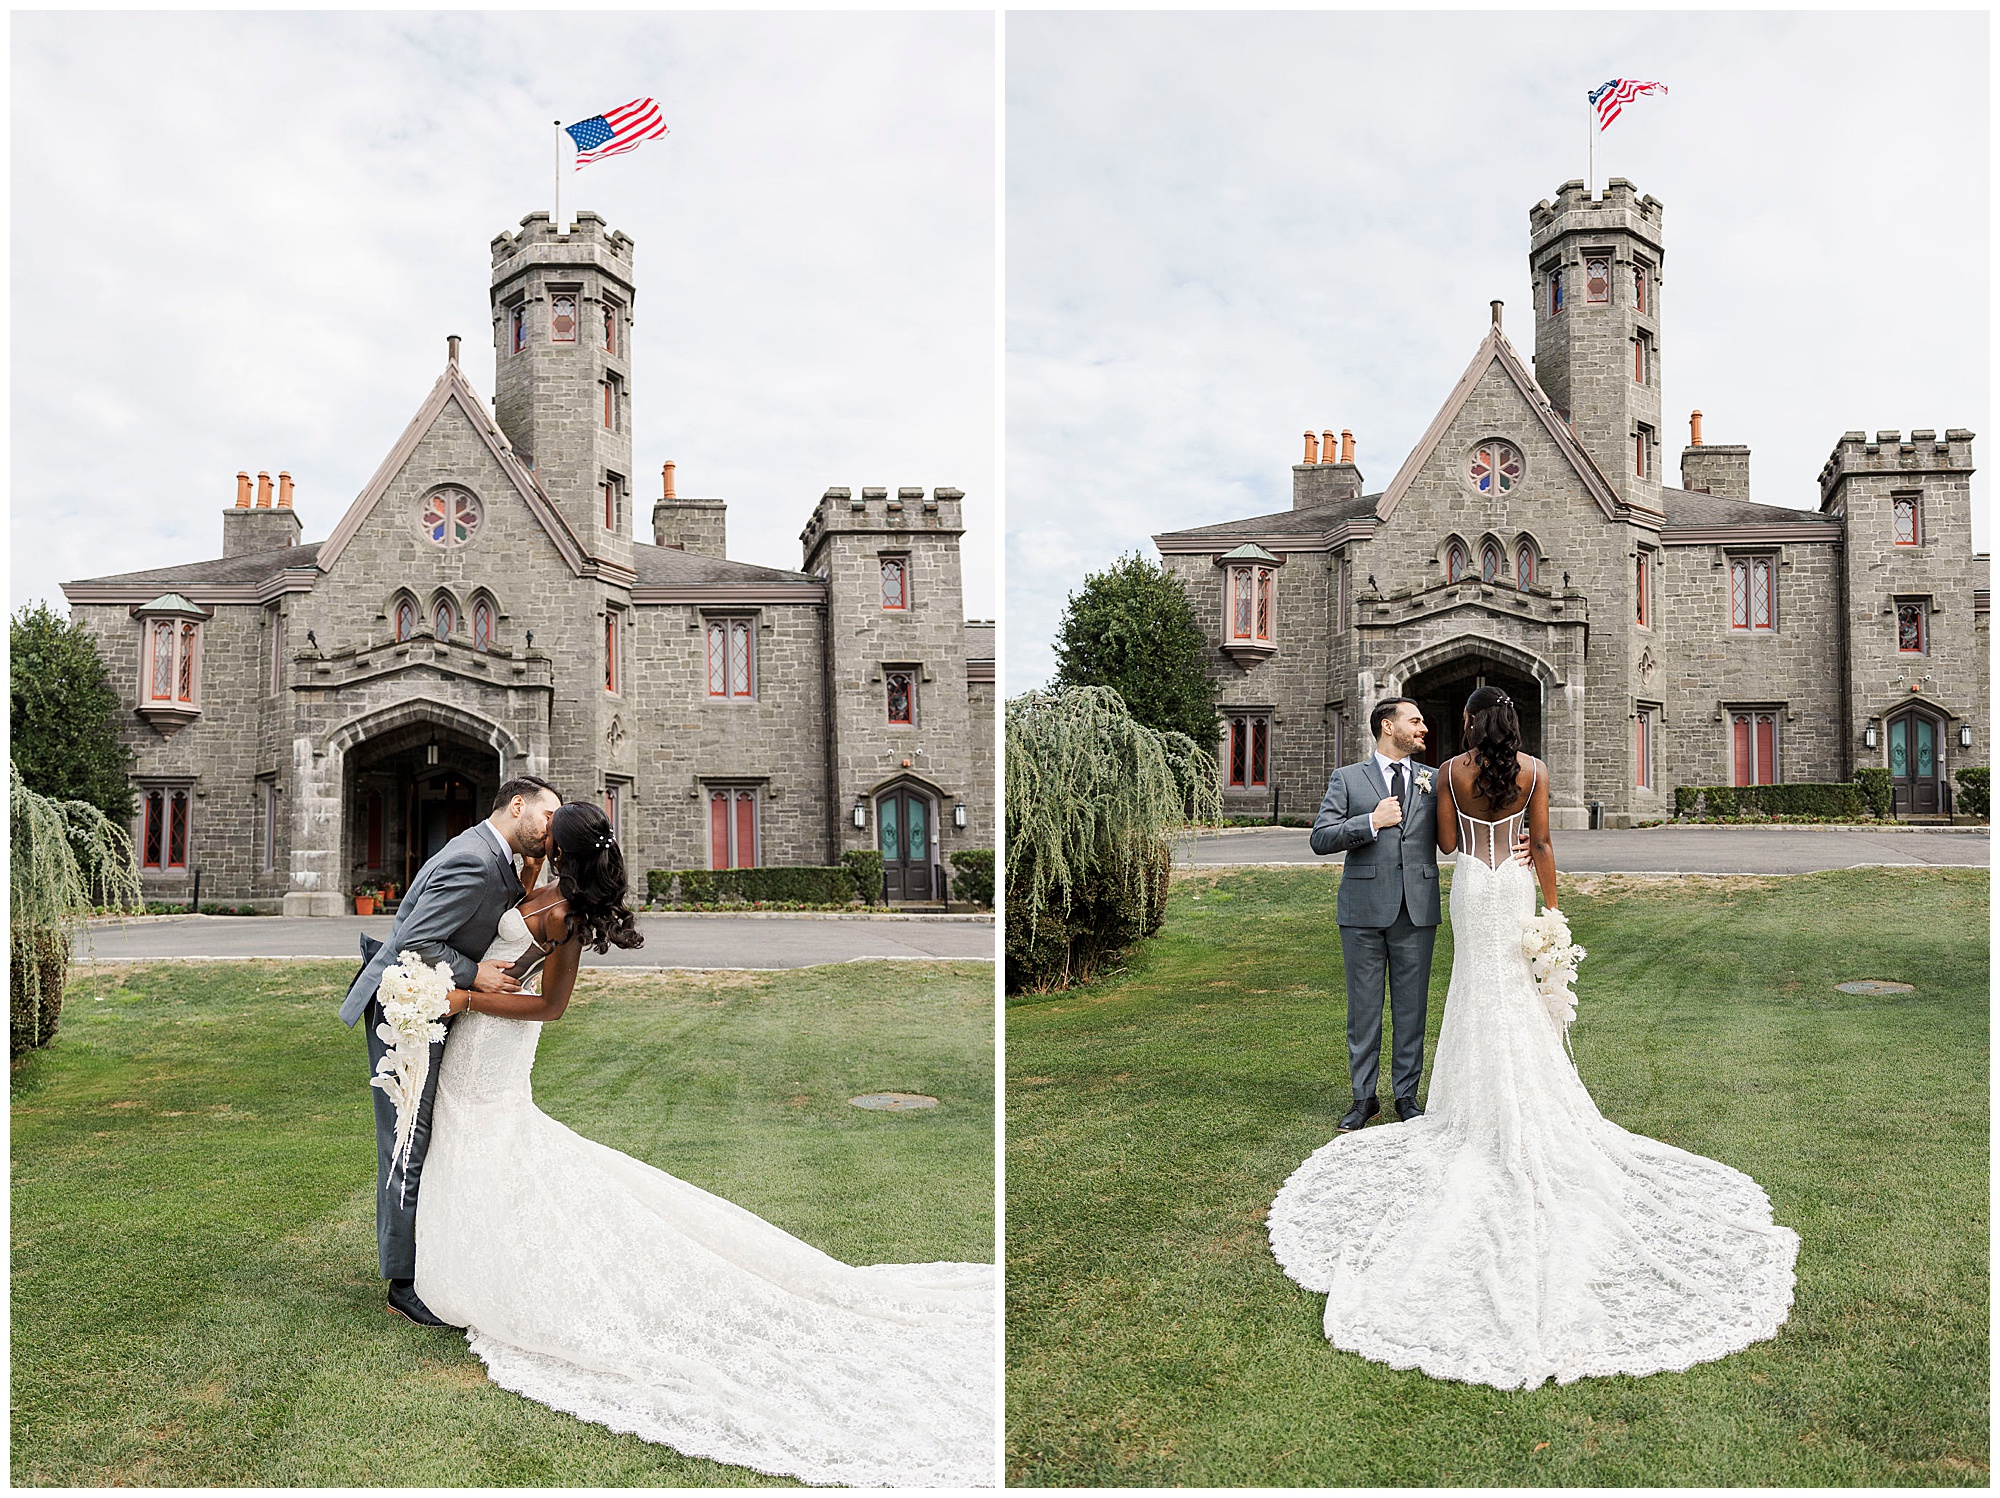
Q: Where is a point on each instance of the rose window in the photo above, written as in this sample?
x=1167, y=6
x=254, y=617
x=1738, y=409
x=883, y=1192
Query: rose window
x=1495, y=467
x=450, y=517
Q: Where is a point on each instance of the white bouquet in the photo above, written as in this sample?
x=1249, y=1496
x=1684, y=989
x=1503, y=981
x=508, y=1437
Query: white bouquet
x=414, y=998
x=1553, y=958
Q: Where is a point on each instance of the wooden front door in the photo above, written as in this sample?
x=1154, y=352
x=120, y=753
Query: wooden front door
x=1916, y=763
x=903, y=832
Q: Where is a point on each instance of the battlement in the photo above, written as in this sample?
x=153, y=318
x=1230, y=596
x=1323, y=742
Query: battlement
x=1618, y=208
x=1891, y=453
x=878, y=510
x=587, y=243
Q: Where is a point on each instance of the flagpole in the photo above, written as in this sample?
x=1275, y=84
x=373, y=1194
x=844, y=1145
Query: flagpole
x=559, y=154
x=1590, y=136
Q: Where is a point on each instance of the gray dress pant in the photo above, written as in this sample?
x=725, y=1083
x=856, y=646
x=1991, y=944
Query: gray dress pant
x=396, y=1189
x=1402, y=953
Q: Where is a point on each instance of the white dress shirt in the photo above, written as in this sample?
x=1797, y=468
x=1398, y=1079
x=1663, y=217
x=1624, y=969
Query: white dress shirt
x=494, y=833
x=1387, y=766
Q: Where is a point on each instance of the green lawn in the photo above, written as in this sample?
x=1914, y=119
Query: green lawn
x=1152, y=1117
x=195, y=1297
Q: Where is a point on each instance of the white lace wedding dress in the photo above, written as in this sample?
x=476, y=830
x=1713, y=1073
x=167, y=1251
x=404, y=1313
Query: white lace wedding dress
x=1512, y=1234
x=592, y=1282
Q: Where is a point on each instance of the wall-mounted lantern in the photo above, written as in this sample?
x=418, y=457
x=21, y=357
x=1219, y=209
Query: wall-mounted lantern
x=860, y=815
x=431, y=749
x=1868, y=735
x=1965, y=735
x=958, y=811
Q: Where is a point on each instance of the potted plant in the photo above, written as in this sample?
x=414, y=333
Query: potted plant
x=364, y=899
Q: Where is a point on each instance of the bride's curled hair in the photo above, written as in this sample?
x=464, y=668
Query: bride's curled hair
x=591, y=872
x=1494, y=735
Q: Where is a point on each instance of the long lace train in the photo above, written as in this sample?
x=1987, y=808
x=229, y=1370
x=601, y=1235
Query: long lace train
x=1512, y=1234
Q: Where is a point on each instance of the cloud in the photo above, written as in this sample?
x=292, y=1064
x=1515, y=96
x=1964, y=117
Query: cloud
x=1223, y=229
x=240, y=240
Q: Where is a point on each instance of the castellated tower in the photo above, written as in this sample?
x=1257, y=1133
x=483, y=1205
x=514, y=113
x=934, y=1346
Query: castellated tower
x=562, y=346
x=1596, y=266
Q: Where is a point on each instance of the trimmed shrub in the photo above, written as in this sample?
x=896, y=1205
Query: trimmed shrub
x=866, y=866
x=1972, y=786
x=788, y=886
x=1878, y=788
x=972, y=879
x=1807, y=800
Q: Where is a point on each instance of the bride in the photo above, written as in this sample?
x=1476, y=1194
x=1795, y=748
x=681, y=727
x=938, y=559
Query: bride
x=596, y=1284
x=1512, y=1234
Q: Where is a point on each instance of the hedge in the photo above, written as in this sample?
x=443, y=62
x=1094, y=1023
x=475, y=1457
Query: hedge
x=1834, y=800
x=1879, y=787
x=1972, y=799
x=973, y=881
x=804, y=886
x=866, y=866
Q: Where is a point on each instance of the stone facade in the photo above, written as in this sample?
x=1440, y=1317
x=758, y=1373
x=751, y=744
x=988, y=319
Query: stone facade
x=310, y=718
x=1660, y=636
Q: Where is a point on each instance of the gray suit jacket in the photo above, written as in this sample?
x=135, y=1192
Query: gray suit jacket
x=1397, y=865
x=450, y=914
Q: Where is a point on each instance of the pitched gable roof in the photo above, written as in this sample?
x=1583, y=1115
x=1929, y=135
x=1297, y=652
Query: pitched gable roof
x=1495, y=349
x=451, y=388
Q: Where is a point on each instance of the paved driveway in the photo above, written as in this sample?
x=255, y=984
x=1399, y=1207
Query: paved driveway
x=671, y=941
x=1669, y=850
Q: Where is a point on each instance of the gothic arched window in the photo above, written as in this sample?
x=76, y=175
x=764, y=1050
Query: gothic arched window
x=1457, y=562
x=482, y=625
x=444, y=620
x=1597, y=279
x=1524, y=566
x=562, y=318
x=1489, y=562
x=406, y=618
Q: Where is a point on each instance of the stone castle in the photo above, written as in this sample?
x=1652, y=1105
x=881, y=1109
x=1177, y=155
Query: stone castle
x=1652, y=636
x=309, y=719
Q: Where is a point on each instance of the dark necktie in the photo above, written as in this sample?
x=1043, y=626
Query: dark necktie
x=1396, y=788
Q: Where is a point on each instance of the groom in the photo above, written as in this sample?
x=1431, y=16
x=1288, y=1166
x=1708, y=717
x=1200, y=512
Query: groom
x=1382, y=813
x=449, y=915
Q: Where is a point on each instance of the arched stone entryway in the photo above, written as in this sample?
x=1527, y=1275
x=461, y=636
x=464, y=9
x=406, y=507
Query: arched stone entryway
x=909, y=839
x=1914, y=748
x=1440, y=677
x=384, y=790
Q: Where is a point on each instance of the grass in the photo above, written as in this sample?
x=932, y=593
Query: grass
x=1153, y=1115
x=195, y=1299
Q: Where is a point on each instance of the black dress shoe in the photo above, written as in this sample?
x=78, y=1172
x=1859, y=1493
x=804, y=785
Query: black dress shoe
x=1407, y=1109
x=403, y=1302
x=1357, y=1117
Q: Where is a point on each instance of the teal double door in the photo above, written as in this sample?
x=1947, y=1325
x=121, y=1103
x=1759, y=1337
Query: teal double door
x=1916, y=763
x=903, y=833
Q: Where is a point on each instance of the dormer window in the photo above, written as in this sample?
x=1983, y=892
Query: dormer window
x=170, y=662
x=562, y=317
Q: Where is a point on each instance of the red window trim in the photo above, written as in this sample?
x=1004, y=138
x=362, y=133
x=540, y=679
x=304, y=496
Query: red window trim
x=1923, y=626
x=1253, y=603
x=902, y=566
x=555, y=333
x=168, y=812
x=909, y=697
x=482, y=625
x=1896, y=503
x=611, y=650
x=1753, y=746
x=1524, y=565
x=1644, y=583
x=1643, y=746
x=1247, y=765
x=719, y=638
x=732, y=820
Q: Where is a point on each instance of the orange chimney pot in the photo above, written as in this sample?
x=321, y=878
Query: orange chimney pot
x=1346, y=446
x=1694, y=429
x=1312, y=447
x=263, y=491
x=667, y=480
x=242, y=491
x=284, y=490
x=1326, y=447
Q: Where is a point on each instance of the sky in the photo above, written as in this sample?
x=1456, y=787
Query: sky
x=1223, y=230
x=255, y=230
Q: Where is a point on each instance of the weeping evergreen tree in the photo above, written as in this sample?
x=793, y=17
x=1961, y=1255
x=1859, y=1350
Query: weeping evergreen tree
x=1094, y=802
x=67, y=858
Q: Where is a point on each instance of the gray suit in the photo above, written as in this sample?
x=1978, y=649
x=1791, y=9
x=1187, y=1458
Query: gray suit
x=450, y=914
x=1388, y=911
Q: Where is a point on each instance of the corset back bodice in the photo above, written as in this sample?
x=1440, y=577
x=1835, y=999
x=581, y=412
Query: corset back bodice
x=1487, y=907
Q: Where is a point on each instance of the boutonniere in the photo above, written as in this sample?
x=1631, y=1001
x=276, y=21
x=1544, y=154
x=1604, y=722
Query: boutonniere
x=1424, y=781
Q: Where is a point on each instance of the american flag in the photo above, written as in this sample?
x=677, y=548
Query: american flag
x=616, y=131
x=1613, y=96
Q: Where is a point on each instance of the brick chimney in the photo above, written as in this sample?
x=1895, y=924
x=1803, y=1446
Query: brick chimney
x=696, y=526
x=248, y=527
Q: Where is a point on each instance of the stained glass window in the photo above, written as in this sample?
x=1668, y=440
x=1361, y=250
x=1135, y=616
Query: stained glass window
x=1556, y=290
x=1265, y=583
x=1910, y=628
x=1249, y=753
x=611, y=650
x=1906, y=519
x=156, y=806
x=1597, y=279
x=732, y=657
x=902, y=696
x=895, y=583
x=450, y=517
x=177, y=830
x=187, y=663
x=610, y=329
x=163, y=660
x=1643, y=586
x=1524, y=566
x=1495, y=467
x=1242, y=611
x=1752, y=602
x=519, y=328
x=1639, y=279
x=562, y=319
